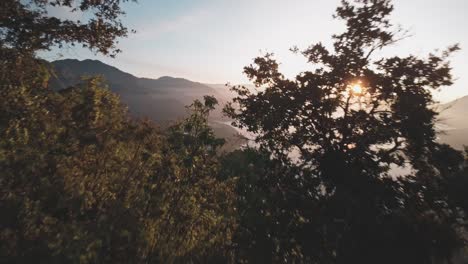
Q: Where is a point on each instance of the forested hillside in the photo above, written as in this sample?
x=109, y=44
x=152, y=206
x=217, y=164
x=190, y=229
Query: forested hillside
x=162, y=99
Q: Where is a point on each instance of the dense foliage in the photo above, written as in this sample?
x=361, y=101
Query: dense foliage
x=81, y=182
x=28, y=26
x=344, y=126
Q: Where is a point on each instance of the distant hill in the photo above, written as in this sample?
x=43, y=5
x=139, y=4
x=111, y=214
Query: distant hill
x=163, y=99
x=453, y=120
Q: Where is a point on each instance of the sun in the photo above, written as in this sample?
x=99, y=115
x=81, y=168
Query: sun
x=356, y=88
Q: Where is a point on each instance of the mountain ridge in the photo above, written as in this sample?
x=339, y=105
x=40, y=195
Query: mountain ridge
x=164, y=99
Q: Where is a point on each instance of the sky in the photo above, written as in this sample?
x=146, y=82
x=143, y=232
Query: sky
x=210, y=41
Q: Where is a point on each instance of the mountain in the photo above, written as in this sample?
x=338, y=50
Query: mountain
x=162, y=99
x=453, y=121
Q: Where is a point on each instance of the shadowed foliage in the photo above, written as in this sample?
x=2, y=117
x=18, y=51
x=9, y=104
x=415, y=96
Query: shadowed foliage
x=83, y=182
x=343, y=126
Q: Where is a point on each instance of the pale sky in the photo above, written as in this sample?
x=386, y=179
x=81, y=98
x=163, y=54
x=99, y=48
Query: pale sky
x=210, y=41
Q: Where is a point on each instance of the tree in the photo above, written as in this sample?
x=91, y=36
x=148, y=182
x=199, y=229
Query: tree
x=81, y=182
x=268, y=198
x=28, y=27
x=64, y=160
x=350, y=119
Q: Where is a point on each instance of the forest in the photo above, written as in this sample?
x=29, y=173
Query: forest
x=82, y=181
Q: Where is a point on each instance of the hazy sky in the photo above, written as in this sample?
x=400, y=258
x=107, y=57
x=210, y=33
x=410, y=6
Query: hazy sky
x=212, y=40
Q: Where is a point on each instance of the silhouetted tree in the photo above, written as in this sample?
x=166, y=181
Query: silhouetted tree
x=346, y=123
x=458, y=183
x=268, y=198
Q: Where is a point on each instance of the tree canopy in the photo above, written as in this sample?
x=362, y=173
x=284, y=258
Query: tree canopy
x=29, y=27
x=344, y=125
x=82, y=182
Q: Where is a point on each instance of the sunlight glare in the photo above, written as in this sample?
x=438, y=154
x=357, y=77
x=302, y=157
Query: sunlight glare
x=356, y=89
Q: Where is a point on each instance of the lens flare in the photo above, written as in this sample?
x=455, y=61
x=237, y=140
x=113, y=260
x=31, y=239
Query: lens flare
x=356, y=89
